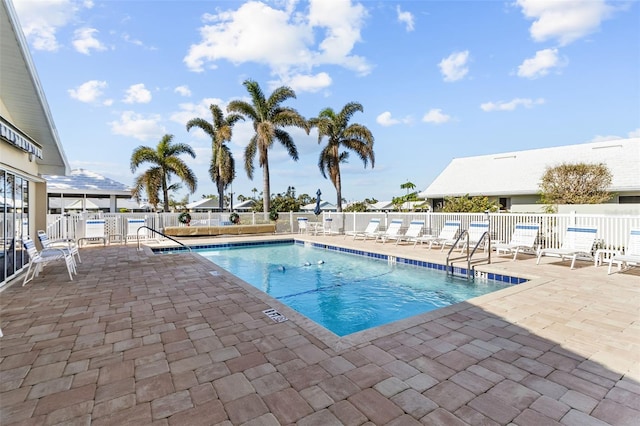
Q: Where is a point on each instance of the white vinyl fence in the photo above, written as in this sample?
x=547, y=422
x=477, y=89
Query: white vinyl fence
x=613, y=231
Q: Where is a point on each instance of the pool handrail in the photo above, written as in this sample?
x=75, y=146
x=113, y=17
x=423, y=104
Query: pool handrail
x=160, y=233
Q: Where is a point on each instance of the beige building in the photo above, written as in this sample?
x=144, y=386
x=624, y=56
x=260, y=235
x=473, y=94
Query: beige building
x=29, y=145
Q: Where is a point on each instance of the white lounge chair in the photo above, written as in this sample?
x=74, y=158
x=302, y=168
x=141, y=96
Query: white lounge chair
x=133, y=229
x=476, y=233
x=67, y=244
x=392, y=232
x=523, y=238
x=327, y=227
x=413, y=231
x=94, y=231
x=631, y=256
x=371, y=231
x=38, y=259
x=303, y=225
x=447, y=233
x=578, y=240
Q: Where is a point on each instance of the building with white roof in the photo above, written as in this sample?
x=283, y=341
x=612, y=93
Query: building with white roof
x=513, y=178
x=29, y=146
x=86, y=190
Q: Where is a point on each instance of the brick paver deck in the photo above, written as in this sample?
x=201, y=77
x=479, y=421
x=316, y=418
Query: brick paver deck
x=142, y=339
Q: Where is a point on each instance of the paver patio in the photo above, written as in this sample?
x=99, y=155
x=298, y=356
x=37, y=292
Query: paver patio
x=139, y=338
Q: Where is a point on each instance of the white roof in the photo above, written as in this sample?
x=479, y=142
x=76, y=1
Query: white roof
x=80, y=182
x=520, y=172
x=324, y=206
x=204, y=203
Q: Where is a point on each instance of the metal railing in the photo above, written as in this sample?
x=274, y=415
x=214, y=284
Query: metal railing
x=159, y=233
x=469, y=255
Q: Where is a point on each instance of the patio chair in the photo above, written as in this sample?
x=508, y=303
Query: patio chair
x=67, y=244
x=371, y=231
x=523, y=238
x=392, y=232
x=93, y=231
x=133, y=225
x=303, y=227
x=39, y=259
x=327, y=225
x=447, y=233
x=476, y=233
x=413, y=232
x=577, y=241
x=631, y=256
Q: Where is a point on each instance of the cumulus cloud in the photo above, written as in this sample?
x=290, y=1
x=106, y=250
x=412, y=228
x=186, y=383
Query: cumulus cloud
x=564, y=21
x=385, y=119
x=190, y=110
x=511, y=105
x=406, y=18
x=305, y=83
x=137, y=94
x=436, y=116
x=183, y=90
x=290, y=42
x=137, y=126
x=634, y=133
x=603, y=138
x=88, y=92
x=84, y=40
x=41, y=20
x=454, y=67
x=540, y=64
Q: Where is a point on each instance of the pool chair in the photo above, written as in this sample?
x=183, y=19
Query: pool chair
x=447, y=233
x=476, y=233
x=413, y=232
x=392, y=232
x=93, y=231
x=578, y=240
x=371, y=231
x=67, y=244
x=631, y=256
x=133, y=229
x=39, y=259
x=327, y=226
x=523, y=238
x=303, y=225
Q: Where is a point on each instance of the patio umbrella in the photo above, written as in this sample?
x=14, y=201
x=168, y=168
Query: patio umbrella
x=317, y=210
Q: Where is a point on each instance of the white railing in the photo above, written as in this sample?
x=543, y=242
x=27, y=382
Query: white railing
x=613, y=231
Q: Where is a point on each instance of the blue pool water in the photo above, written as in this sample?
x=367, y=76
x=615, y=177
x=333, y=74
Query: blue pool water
x=345, y=293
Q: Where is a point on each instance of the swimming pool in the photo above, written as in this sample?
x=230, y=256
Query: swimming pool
x=345, y=293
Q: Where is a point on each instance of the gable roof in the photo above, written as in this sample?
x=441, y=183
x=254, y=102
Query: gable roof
x=22, y=93
x=520, y=172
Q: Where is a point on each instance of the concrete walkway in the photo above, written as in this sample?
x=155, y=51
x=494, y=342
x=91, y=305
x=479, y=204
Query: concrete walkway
x=141, y=339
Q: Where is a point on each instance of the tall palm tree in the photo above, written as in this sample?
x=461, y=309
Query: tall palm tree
x=269, y=118
x=222, y=168
x=166, y=162
x=341, y=134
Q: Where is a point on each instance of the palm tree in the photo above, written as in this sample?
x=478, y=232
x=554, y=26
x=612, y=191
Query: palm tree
x=269, y=118
x=166, y=163
x=341, y=134
x=222, y=169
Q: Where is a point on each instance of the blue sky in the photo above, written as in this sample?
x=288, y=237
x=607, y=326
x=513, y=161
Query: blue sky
x=437, y=79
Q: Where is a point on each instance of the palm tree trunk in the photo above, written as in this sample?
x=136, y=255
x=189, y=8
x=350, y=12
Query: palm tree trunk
x=165, y=193
x=220, y=195
x=266, y=196
x=339, y=192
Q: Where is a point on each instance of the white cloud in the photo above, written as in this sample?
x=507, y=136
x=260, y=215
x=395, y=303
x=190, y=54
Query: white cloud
x=137, y=126
x=283, y=39
x=84, y=40
x=603, y=138
x=634, y=133
x=564, y=21
x=540, y=64
x=88, y=92
x=436, y=116
x=454, y=67
x=183, y=90
x=385, y=119
x=305, y=83
x=196, y=110
x=511, y=105
x=406, y=18
x=137, y=94
x=40, y=20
